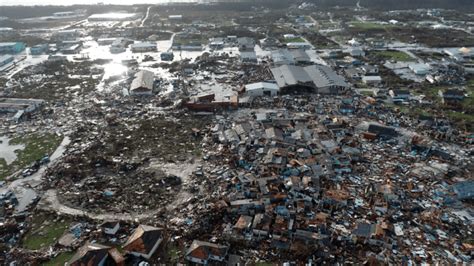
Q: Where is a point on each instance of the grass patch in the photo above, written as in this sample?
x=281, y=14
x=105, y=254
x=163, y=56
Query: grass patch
x=173, y=254
x=408, y=110
x=193, y=39
x=470, y=83
x=59, y=260
x=461, y=117
x=263, y=263
x=366, y=25
x=393, y=55
x=296, y=39
x=36, y=146
x=45, y=231
x=367, y=93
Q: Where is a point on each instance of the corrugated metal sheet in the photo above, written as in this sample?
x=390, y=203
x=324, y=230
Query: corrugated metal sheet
x=143, y=80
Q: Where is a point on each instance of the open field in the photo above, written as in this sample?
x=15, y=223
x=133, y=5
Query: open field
x=44, y=231
x=36, y=146
x=393, y=55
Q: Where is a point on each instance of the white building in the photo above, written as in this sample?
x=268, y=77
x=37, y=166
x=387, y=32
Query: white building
x=113, y=17
x=356, y=52
x=420, y=69
x=298, y=45
x=372, y=80
x=261, y=89
x=144, y=47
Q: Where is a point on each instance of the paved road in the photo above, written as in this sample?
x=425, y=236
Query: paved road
x=51, y=202
x=24, y=188
x=146, y=16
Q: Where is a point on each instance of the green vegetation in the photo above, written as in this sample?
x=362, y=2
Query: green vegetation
x=366, y=25
x=45, y=231
x=173, y=254
x=263, y=264
x=393, y=55
x=60, y=259
x=192, y=39
x=467, y=119
x=36, y=146
x=296, y=39
x=412, y=111
x=367, y=93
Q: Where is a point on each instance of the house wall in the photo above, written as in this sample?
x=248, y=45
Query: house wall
x=373, y=82
x=331, y=90
x=12, y=49
x=150, y=254
x=143, y=49
x=117, y=50
x=261, y=92
x=141, y=92
x=102, y=262
x=6, y=61
x=195, y=260
x=112, y=231
x=218, y=258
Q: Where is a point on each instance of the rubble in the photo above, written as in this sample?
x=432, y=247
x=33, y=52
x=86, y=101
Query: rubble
x=236, y=138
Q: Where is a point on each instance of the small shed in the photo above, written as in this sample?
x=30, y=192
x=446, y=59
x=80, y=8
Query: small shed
x=143, y=84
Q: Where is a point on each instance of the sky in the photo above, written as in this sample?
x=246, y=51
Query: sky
x=84, y=2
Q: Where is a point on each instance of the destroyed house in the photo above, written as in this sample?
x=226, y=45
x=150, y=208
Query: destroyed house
x=201, y=252
x=357, y=52
x=144, y=241
x=353, y=73
x=382, y=131
x=281, y=226
x=96, y=254
x=399, y=95
x=143, y=47
x=210, y=103
x=248, y=57
x=364, y=230
x=261, y=225
x=370, y=70
x=300, y=56
x=244, y=205
x=143, y=84
x=282, y=57
x=270, y=42
x=244, y=223
x=11, y=105
x=464, y=190
x=167, y=56
x=346, y=109
x=11, y=47
x=5, y=59
x=246, y=44
x=314, y=78
x=110, y=228
x=306, y=236
x=452, y=96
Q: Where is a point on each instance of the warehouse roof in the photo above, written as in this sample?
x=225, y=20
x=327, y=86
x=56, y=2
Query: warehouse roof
x=314, y=75
x=324, y=76
x=143, y=44
x=261, y=85
x=288, y=75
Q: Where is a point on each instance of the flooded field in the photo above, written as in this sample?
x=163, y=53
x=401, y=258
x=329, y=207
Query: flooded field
x=89, y=2
x=8, y=151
